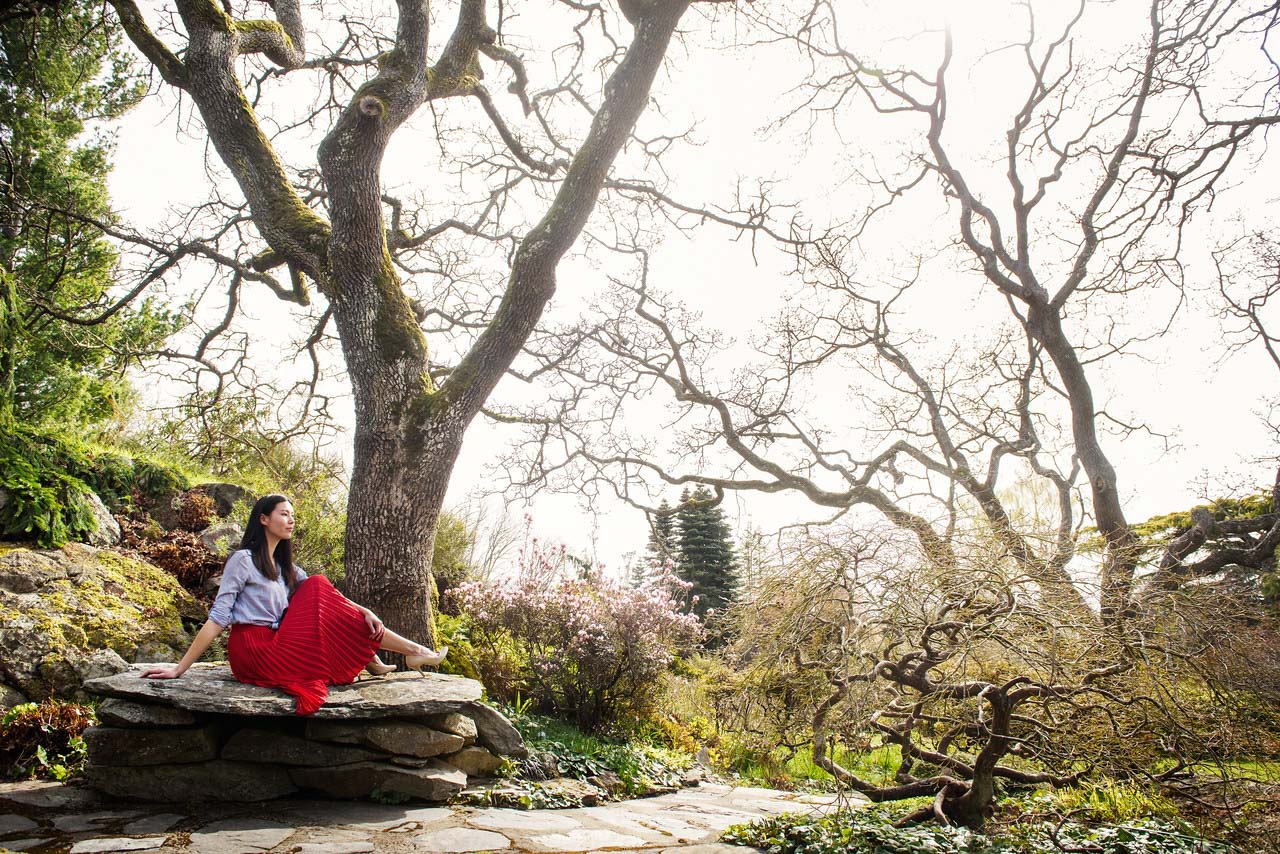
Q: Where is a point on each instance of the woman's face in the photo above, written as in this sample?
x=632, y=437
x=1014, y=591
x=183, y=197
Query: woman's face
x=279, y=523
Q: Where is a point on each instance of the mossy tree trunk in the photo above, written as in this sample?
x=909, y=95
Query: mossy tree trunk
x=409, y=429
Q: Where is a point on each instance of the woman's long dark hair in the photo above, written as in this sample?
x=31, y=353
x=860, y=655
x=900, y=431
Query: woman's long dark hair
x=255, y=540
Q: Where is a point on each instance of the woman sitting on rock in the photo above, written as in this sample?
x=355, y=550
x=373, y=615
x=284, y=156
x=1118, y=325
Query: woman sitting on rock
x=287, y=630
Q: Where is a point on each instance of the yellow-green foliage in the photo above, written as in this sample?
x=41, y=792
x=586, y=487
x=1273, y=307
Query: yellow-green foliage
x=1161, y=528
x=1115, y=801
x=1172, y=524
x=453, y=632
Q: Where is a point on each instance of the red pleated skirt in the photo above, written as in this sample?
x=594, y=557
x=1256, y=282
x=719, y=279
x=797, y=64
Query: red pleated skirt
x=323, y=640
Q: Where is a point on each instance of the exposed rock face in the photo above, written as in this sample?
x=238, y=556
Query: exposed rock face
x=225, y=496
x=400, y=736
x=107, y=533
x=10, y=698
x=79, y=612
x=222, y=538
x=167, y=509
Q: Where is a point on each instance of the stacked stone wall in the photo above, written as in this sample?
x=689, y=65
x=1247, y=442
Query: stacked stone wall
x=207, y=737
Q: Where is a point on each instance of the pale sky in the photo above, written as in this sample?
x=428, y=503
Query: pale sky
x=1185, y=384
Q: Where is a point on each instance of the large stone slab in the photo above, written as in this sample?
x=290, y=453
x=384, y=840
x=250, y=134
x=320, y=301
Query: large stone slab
x=436, y=782
x=124, y=713
x=586, y=839
x=457, y=840
x=219, y=780
x=123, y=843
x=212, y=688
x=496, y=732
x=260, y=745
x=118, y=844
x=397, y=737
x=239, y=836
x=119, y=746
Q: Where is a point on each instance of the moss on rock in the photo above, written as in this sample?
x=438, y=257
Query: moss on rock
x=59, y=606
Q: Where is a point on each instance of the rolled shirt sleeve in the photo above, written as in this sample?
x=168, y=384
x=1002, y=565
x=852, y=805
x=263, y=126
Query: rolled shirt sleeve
x=234, y=577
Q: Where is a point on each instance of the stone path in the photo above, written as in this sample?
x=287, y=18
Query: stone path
x=48, y=817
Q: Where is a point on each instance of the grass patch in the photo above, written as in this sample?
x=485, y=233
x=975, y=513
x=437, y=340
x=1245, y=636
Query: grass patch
x=1114, y=801
x=797, y=771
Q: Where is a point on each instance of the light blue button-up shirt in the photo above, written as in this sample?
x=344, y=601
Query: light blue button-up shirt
x=247, y=596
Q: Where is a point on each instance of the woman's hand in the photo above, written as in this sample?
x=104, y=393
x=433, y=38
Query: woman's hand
x=375, y=625
x=162, y=673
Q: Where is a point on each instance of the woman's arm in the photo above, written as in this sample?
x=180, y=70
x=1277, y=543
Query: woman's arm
x=371, y=620
x=204, y=637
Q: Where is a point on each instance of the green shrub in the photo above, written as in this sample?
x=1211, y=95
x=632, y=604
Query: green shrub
x=453, y=632
x=43, y=740
x=49, y=476
x=871, y=831
x=560, y=749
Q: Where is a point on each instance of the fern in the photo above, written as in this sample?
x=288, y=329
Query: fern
x=48, y=478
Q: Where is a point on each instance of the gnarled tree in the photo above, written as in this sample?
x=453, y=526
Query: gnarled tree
x=1072, y=248
x=336, y=226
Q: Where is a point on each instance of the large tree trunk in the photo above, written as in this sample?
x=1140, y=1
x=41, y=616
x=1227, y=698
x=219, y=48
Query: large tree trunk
x=972, y=808
x=1120, y=560
x=397, y=490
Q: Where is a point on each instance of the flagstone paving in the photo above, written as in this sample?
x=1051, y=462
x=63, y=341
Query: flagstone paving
x=49, y=818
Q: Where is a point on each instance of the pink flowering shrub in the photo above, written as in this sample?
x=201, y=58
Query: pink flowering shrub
x=583, y=646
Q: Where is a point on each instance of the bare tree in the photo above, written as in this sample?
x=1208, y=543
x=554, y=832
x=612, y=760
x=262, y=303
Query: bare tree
x=1078, y=235
x=334, y=225
x=969, y=680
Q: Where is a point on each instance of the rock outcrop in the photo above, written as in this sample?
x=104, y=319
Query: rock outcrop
x=107, y=533
x=207, y=736
x=78, y=612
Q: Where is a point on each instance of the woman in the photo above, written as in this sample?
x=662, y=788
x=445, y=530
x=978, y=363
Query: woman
x=324, y=639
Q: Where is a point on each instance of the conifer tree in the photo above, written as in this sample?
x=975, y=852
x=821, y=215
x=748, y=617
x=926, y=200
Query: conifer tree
x=659, y=550
x=65, y=337
x=705, y=552
x=662, y=536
